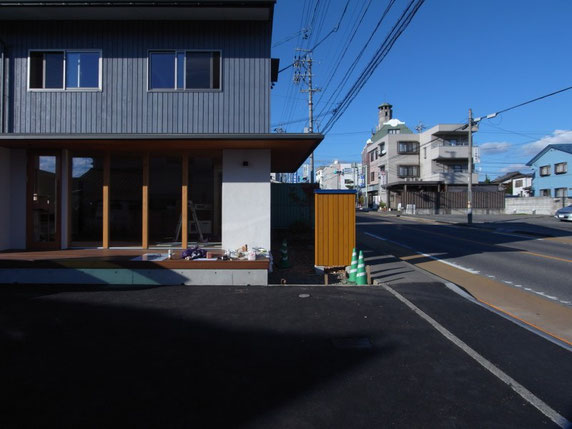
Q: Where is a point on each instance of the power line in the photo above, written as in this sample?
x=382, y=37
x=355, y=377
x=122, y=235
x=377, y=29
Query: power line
x=398, y=29
x=352, y=67
x=531, y=101
x=341, y=56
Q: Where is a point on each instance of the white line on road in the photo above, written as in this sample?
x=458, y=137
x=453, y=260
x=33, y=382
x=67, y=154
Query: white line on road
x=469, y=270
x=526, y=394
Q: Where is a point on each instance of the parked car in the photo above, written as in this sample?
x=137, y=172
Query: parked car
x=565, y=213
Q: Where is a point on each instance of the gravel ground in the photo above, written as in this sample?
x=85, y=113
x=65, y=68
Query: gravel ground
x=301, y=256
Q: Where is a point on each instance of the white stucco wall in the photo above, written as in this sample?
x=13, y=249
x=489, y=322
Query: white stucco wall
x=4, y=198
x=18, y=199
x=245, y=198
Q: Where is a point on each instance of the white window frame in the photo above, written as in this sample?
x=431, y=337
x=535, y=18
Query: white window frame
x=65, y=89
x=184, y=51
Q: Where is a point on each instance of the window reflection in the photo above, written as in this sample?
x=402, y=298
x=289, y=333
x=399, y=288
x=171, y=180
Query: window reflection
x=86, y=199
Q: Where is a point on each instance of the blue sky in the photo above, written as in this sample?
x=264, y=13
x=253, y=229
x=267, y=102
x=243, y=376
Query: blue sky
x=455, y=55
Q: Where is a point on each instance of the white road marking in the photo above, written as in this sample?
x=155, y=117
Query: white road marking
x=468, y=270
x=452, y=264
x=526, y=394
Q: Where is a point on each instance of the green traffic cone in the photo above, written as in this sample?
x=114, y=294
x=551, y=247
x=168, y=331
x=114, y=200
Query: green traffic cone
x=361, y=278
x=284, y=261
x=353, y=267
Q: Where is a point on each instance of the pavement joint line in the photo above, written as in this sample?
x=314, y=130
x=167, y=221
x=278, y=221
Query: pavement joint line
x=526, y=394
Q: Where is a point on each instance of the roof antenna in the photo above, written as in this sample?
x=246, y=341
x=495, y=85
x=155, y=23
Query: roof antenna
x=420, y=127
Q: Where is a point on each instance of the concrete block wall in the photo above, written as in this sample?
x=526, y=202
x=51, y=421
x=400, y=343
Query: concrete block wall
x=535, y=205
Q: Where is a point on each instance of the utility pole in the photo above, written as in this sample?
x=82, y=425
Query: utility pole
x=470, y=184
x=306, y=63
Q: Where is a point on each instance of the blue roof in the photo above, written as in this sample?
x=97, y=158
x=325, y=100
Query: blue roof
x=563, y=147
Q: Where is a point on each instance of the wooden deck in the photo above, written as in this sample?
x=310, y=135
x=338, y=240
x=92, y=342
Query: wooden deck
x=117, y=258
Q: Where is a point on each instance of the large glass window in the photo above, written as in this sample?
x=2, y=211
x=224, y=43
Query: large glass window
x=201, y=196
x=165, y=177
x=180, y=70
x=64, y=69
x=125, y=211
x=86, y=199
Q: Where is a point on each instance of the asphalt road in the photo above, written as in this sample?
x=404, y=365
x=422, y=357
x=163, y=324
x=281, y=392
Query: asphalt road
x=539, y=262
x=268, y=357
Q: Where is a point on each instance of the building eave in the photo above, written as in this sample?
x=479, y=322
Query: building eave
x=140, y=10
x=288, y=151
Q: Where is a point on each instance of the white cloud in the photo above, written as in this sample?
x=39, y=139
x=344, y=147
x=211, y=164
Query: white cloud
x=558, y=136
x=515, y=167
x=492, y=148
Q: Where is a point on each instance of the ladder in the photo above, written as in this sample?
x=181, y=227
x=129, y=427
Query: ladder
x=194, y=218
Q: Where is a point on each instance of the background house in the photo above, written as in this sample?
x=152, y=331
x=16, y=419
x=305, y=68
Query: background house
x=339, y=175
x=515, y=183
x=400, y=160
x=552, y=177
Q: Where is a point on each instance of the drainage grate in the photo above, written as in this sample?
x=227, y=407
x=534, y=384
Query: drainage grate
x=352, y=343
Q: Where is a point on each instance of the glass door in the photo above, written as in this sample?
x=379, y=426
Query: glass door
x=43, y=200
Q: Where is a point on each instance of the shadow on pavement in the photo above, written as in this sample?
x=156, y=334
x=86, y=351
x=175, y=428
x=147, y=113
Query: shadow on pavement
x=100, y=361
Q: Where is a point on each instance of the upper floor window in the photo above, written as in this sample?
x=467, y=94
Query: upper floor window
x=184, y=70
x=64, y=70
x=457, y=168
x=561, y=168
x=545, y=170
x=382, y=149
x=393, y=131
x=408, y=147
x=408, y=171
x=518, y=183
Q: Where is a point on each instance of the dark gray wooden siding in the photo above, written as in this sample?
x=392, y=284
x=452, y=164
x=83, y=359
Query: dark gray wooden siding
x=124, y=105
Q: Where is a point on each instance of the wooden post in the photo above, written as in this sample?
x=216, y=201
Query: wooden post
x=145, y=205
x=185, y=203
x=106, y=180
